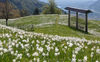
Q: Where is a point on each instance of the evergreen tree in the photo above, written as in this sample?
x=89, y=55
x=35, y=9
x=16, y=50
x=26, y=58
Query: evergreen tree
x=36, y=12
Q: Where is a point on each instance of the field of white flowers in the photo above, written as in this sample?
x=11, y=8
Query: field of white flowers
x=21, y=46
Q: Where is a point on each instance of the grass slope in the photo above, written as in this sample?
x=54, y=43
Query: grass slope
x=18, y=45
x=56, y=25
x=21, y=46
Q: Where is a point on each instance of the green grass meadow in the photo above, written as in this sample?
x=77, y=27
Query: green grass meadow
x=48, y=38
x=57, y=25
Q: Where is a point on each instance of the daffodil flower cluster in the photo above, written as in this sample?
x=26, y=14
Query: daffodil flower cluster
x=21, y=46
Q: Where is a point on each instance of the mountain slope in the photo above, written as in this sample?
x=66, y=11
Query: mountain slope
x=29, y=5
x=95, y=6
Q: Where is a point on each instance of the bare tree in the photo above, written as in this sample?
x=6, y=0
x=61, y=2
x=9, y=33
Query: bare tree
x=6, y=11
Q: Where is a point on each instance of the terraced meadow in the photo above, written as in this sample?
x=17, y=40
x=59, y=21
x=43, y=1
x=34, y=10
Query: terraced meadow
x=41, y=42
x=56, y=25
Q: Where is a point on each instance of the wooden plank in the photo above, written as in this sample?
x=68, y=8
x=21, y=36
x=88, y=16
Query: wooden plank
x=81, y=27
x=76, y=20
x=69, y=19
x=78, y=10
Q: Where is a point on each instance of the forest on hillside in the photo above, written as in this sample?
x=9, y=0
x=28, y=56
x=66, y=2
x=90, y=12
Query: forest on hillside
x=28, y=5
x=15, y=9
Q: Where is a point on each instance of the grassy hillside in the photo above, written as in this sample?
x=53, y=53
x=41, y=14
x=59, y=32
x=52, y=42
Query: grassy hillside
x=56, y=25
x=28, y=5
x=22, y=46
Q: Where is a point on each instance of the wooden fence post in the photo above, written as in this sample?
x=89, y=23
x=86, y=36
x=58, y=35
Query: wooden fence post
x=77, y=20
x=69, y=19
x=86, y=26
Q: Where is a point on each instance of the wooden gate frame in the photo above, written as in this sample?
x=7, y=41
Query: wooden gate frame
x=81, y=11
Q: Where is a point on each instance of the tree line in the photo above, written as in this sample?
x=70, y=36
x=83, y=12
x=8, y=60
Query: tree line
x=7, y=11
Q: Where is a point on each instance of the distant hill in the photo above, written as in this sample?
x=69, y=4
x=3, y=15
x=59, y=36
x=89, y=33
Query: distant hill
x=29, y=5
x=83, y=4
x=95, y=6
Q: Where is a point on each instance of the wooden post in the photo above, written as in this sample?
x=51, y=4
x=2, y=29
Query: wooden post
x=69, y=19
x=76, y=20
x=86, y=26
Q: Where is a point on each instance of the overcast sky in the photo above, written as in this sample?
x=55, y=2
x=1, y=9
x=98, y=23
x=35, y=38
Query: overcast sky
x=69, y=0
